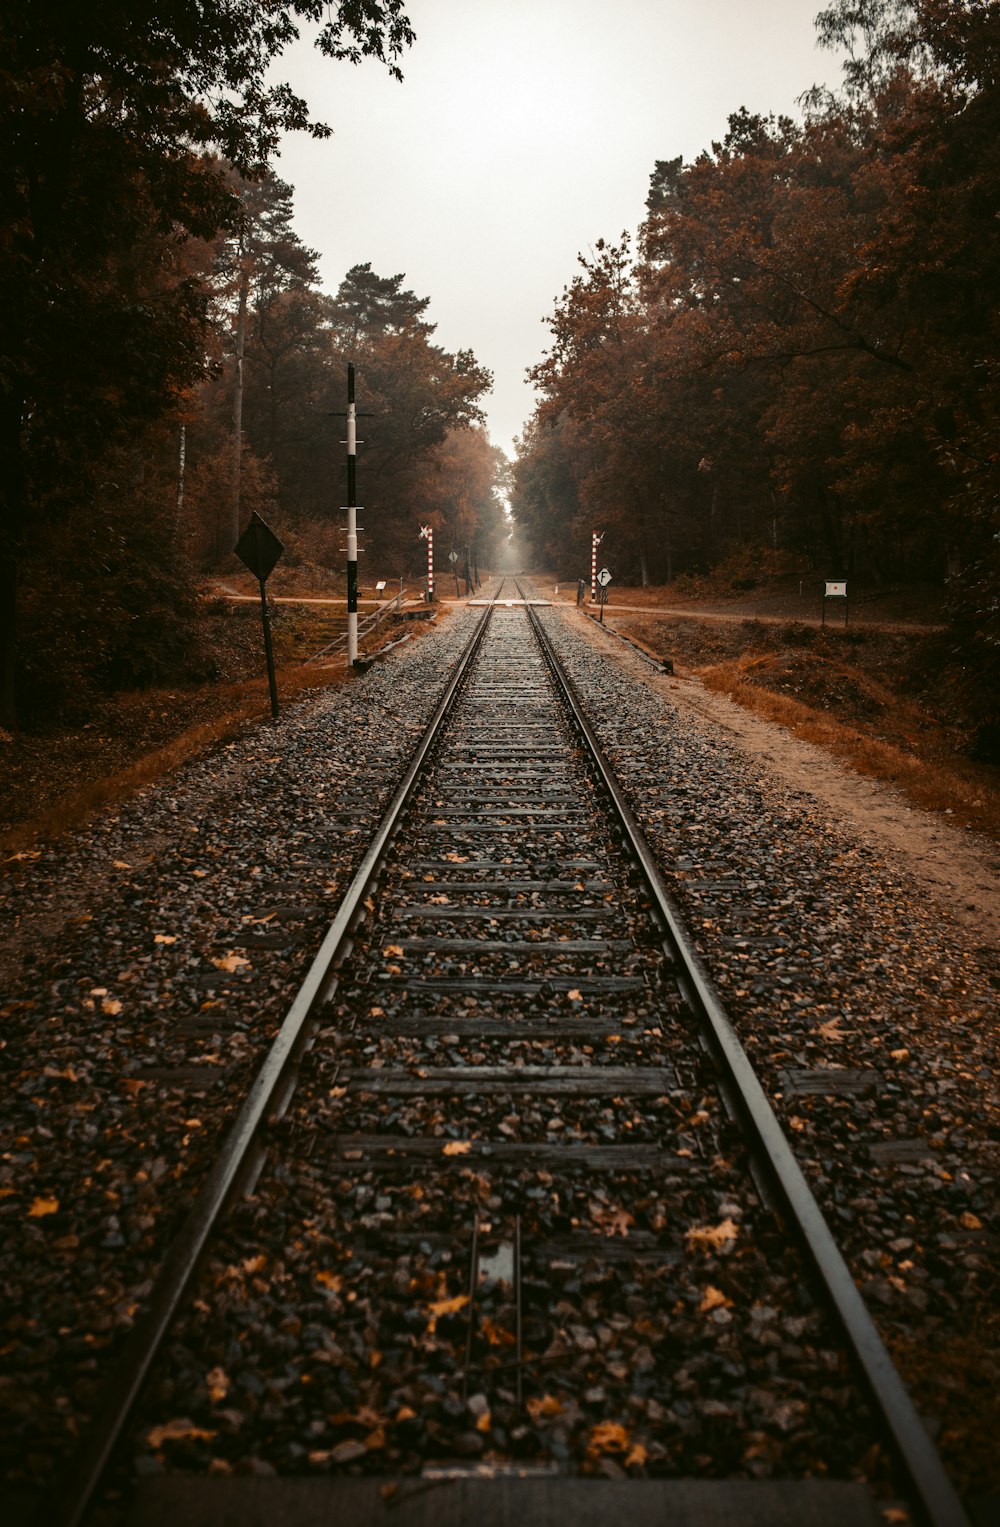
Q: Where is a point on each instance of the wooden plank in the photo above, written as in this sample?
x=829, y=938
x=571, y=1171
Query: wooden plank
x=577, y=1081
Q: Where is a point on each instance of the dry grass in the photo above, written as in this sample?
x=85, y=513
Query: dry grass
x=932, y=782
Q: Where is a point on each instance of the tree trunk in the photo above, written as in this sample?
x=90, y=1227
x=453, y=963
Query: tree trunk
x=231, y=533
x=8, y=638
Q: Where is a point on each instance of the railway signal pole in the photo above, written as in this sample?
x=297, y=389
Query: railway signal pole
x=352, y=521
x=595, y=542
x=427, y=534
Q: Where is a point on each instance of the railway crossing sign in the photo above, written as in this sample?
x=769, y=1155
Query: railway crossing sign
x=604, y=577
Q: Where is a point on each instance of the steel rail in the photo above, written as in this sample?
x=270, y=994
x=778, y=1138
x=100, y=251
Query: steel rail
x=75, y=1491
x=933, y=1493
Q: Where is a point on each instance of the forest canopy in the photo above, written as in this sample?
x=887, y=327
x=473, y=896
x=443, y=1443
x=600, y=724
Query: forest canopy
x=797, y=355
x=168, y=360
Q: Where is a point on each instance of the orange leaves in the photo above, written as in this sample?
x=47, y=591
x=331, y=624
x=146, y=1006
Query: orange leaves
x=330, y=1280
x=712, y=1237
x=713, y=1299
x=611, y=1221
x=178, y=1430
x=457, y=1148
x=231, y=962
x=164, y=938
x=40, y=1207
x=546, y=1405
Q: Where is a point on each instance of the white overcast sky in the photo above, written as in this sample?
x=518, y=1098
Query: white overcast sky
x=523, y=132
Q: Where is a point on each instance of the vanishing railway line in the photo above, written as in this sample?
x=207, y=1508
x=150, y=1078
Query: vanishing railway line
x=506, y=1195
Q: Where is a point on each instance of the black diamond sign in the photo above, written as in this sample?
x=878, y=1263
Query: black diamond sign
x=258, y=548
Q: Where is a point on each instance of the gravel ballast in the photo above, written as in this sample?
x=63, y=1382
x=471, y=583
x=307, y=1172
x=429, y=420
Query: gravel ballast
x=154, y=954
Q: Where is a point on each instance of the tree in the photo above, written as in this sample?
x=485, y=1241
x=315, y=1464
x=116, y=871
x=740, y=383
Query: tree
x=108, y=115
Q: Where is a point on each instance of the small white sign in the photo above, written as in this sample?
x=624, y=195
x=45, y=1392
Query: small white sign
x=836, y=591
x=604, y=577
x=453, y=556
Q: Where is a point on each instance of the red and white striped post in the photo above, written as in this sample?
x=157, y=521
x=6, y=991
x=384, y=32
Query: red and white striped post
x=595, y=542
x=428, y=534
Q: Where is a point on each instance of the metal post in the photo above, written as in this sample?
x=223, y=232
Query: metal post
x=268, y=649
x=430, y=565
x=352, y=522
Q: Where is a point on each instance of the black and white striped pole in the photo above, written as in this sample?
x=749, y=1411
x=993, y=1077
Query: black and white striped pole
x=595, y=542
x=427, y=534
x=352, y=521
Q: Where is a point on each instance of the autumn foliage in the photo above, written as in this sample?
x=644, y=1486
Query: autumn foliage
x=798, y=353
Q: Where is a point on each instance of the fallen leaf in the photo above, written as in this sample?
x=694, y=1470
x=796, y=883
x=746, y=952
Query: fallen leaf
x=970, y=1221
x=337, y=1092
x=121, y=865
x=713, y=1299
x=484, y=1422
x=111, y=1006
x=42, y=1206
x=612, y=1221
x=457, y=1148
x=548, y=1405
x=607, y=1437
x=391, y=951
x=637, y=1456
x=457, y=858
x=330, y=1280
x=575, y=996
x=449, y=1306
x=164, y=938
x=218, y=1385
x=179, y=1430
x=710, y=1237
x=900, y=1054
x=199, y=874
x=831, y=1029
x=230, y=962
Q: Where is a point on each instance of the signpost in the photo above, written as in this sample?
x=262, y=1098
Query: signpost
x=603, y=578
x=258, y=548
x=834, y=590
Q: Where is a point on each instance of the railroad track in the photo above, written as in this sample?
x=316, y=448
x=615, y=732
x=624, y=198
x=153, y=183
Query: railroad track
x=506, y=1197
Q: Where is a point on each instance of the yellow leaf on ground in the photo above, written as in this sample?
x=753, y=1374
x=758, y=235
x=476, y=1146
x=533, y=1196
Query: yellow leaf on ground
x=449, y=1306
x=164, y=938
x=121, y=865
x=637, y=1456
x=713, y=1299
x=457, y=858
x=607, y=1437
x=111, y=1006
x=548, y=1405
x=218, y=1385
x=575, y=996
x=831, y=1029
x=179, y=1430
x=711, y=1237
x=457, y=1148
x=330, y=1280
x=230, y=962
x=391, y=951
x=42, y=1206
